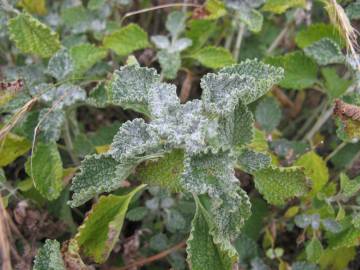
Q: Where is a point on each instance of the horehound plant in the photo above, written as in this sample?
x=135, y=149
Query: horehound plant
x=189, y=148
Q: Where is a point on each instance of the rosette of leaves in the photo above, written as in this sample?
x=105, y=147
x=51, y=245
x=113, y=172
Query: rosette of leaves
x=171, y=47
x=191, y=148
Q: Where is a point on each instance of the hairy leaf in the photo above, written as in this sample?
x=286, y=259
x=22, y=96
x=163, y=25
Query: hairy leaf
x=325, y=52
x=130, y=85
x=101, y=228
x=214, y=57
x=49, y=257
x=32, y=36
x=349, y=187
x=279, y=184
x=50, y=123
x=165, y=172
x=98, y=174
x=60, y=64
x=334, y=85
x=263, y=75
x=45, y=169
x=127, y=40
x=175, y=23
x=253, y=161
x=170, y=63
x=268, y=114
x=37, y=7
x=203, y=253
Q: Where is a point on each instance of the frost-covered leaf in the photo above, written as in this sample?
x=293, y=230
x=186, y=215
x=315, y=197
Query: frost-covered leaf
x=32, y=36
x=127, y=40
x=300, y=70
x=334, y=85
x=280, y=6
x=130, y=85
x=175, y=23
x=214, y=57
x=45, y=169
x=251, y=161
x=268, y=114
x=203, y=253
x=60, y=64
x=181, y=44
x=280, y=184
x=209, y=173
x=243, y=4
x=49, y=257
x=101, y=228
x=331, y=225
x=253, y=19
x=170, y=63
x=98, y=174
x=161, y=42
x=61, y=97
x=316, y=32
x=325, y=52
x=134, y=141
x=264, y=76
x=50, y=123
x=11, y=147
x=237, y=129
x=221, y=92
x=315, y=168
x=165, y=172
x=99, y=96
x=84, y=56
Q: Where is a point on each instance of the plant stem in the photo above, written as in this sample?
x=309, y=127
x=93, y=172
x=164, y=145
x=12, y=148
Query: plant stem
x=69, y=145
x=4, y=240
x=239, y=41
x=278, y=39
x=152, y=258
x=336, y=150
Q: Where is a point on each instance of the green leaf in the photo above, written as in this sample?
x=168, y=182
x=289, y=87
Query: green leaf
x=325, y=52
x=268, y=114
x=50, y=124
x=353, y=10
x=337, y=259
x=101, y=228
x=84, y=56
x=12, y=147
x=95, y=4
x=175, y=23
x=349, y=187
x=214, y=57
x=127, y=40
x=99, y=96
x=37, y=7
x=238, y=128
x=215, y=8
x=313, y=250
x=77, y=18
x=253, y=19
x=165, y=172
x=137, y=214
x=170, y=63
x=32, y=36
x=335, y=86
x=280, y=6
x=45, y=169
x=280, y=184
x=203, y=253
x=98, y=173
x=300, y=70
x=49, y=257
x=315, y=168
x=317, y=31
x=60, y=64
x=199, y=32
x=134, y=141
x=264, y=76
x=130, y=85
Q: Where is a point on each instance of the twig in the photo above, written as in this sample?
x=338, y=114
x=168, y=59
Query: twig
x=68, y=143
x=129, y=14
x=278, y=39
x=239, y=39
x=186, y=87
x=336, y=150
x=152, y=258
x=4, y=240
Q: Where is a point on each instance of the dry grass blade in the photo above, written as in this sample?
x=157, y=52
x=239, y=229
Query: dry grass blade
x=4, y=240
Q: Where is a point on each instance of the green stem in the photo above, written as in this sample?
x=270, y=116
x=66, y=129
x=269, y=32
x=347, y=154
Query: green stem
x=69, y=145
x=239, y=39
